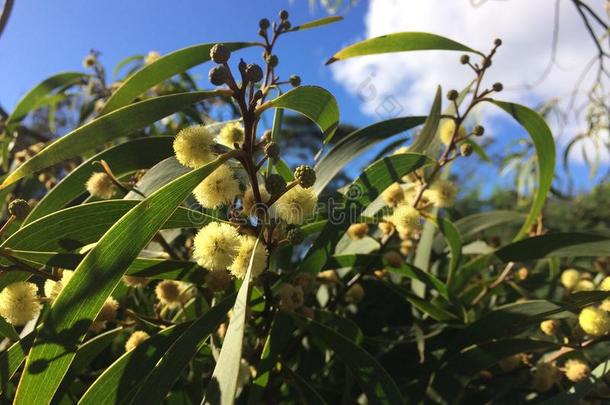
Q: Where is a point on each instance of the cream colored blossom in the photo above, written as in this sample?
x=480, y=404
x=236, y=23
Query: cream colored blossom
x=249, y=201
x=357, y=231
x=575, y=370
x=136, y=339
x=219, y=188
x=231, y=134
x=216, y=245
x=240, y=265
x=19, y=303
x=393, y=195
x=151, y=57
x=406, y=219
x=107, y=313
x=168, y=293
x=295, y=205
x=441, y=193
x=446, y=130
x=193, y=146
x=52, y=288
x=100, y=185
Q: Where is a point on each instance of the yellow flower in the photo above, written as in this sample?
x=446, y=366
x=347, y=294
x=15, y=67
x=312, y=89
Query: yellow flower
x=193, y=146
x=441, y=193
x=446, y=130
x=569, y=278
x=576, y=370
x=549, y=327
x=216, y=245
x=605, y=284
x=406, y=219
x=52, y=288
x=135, y=281
x=101, y=185
x=240, y=265
x=357, y=231
x=594, y=321
x=295, y=205
x=584, y=285
x=136, y=339
x=605, y=305
x=545, y=376
x=168, y=292
x=393, y=195
x=151, y=57
x=231, y=134
x=19, y=303
x=107, y=313
x=219, y=188
x=249, y=202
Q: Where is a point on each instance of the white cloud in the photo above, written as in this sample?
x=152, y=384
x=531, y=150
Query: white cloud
x=403, y=83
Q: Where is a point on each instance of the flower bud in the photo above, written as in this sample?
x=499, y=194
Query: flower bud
x=285, y=25
x=220, y=53
x=478, y=130
x=272, y=60
x=357, y=231
x=497, y=42
x=498, y=86
x=272, y=150
x=136, y=339
x=275, y=184
x=549, y=327
x=466, y=149
x=19, y=208
x=218, y=75
x=576, y=370
x=295, y=236
x=486, y=62
x=452, y=95
x=305, y=175
x=283, y=15
x=264, y=23
x=464, y=59
x=254, y=72
x=295, y=80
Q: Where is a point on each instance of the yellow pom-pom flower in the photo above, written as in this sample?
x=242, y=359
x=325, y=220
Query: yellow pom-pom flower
x=576, y=370
x=107, y=313
x=594, y=321
x=231, y=134
x=584, y=285
x=447, y=128
x=19, y=303
x=569, y=278
x=151, y=57
x=240, y=265
x=168, y=293
x=295, y=205
x=249, y=202
x=136, y=339
x=393, y=195
x=441, y=193
x=357, y=231
x=549, y=327
x=100, y=185
x=219, y=188
x=216, y=245
x=193, y=146
x=406, y=219
x=605, y=284
x=605, y=305
x=52, y=288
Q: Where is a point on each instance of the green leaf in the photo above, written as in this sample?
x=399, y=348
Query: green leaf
x=170, y=366
x=555, y=245
x=428, y=133
x=317, y=23
x=162, y=69
x=364, y=190
x=111, y=126
x=356, y=143
x=34, y=98
x=93, y=281
x=543, y=141
x=314, y=102
x=141, y=153
x=400, y=42
x=12, y=358
x=222, y=388
x=414, y=273
x=7, y=330
x=577, y=392
x=373, y=379
x=454, y=240
x=309, y=396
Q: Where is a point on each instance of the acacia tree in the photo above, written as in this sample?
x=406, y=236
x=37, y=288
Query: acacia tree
x=184, y=260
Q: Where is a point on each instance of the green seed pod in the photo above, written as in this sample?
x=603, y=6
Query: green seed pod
x=264, y=23
x=283, y=15
x=272, y=60
x=295, y=81
x=254, y=72
x=272, y=150
x=220, y=53
x=497, y=42
x=19, y=208
x=498, y=86
x=275, y=184
x=478, y=130
x=452, y=95
x=466, y=149
x=464, y=59
x=295, y=236
x=285, y=25
x=218, y=75
x=305, y=175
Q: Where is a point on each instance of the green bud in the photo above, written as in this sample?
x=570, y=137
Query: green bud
x=254, y=72
x=295, y=80
x=498, y=86
x=272, y=150
x=220, y=53
x=497, y=42
x=275, y=184
x=283, y=15
x=464, y=59
x=273, y=60
x=478, y=130
x=466, y=149
x=264, y=24
x=452, y=95
x=295, y=236
x=19, y=208
x=305, y=175
x=218, y=75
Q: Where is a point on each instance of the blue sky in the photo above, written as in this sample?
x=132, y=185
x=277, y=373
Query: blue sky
x=45, y=37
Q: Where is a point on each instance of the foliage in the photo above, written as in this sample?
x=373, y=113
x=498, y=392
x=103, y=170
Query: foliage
x=187, y=254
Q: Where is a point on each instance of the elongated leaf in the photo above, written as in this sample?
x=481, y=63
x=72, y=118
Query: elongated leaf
x=162, y=69
x=543, y=141
x=93, y=281
x=414, y=273
x=12, y=358
x=223, y=386
x=32, y=100
x=7, y=330
x=317, y=23
x=555, y=245
x=169, y=367
x=309, y=396
x=454, y=240
x=137, y=154
x=356, y=143
x=372, y=378
x=315, y=103
x=106, y=128
x=428, y=133
x=369, y=185
x=400, y=42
